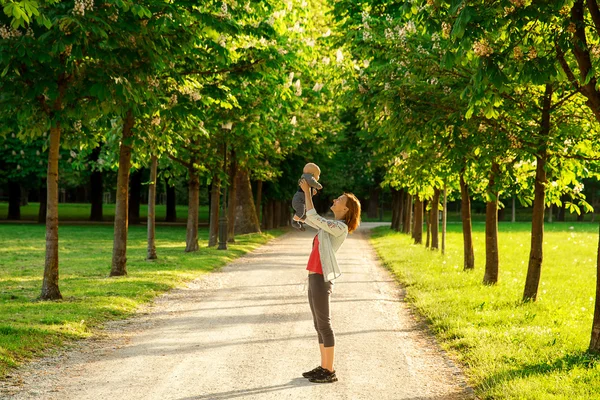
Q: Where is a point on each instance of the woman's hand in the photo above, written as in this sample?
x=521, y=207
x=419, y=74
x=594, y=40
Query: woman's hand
x=304, y=186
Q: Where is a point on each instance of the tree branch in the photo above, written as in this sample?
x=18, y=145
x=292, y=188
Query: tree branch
x=595, y=13
x=560, y=54
x=560, y=102
x=180, y=161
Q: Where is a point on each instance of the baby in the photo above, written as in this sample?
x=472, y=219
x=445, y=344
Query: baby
x=311, y=174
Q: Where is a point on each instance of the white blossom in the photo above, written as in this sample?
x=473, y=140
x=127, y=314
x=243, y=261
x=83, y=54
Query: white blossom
x=389, y=33
x=8, y=33
x=339, y=56
x=318, y=86
x=298, y=87
x=81, y=6
x=293, y=121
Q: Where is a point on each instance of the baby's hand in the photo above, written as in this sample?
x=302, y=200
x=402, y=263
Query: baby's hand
x=304, y=185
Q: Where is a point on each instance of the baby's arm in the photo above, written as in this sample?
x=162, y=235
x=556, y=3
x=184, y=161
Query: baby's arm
x=312, y=182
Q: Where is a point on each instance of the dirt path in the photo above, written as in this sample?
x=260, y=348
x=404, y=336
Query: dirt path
x=246, y=333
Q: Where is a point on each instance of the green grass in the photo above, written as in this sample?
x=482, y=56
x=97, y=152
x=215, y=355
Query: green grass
x=522, y=214
x=511, y=350
x=29, y=327
x=81, y=212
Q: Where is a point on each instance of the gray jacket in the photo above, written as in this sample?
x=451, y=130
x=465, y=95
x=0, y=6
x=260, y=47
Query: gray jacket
x=332, y=234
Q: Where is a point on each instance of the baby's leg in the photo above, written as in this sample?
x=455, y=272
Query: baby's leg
x=300, y=210
x=299, y=207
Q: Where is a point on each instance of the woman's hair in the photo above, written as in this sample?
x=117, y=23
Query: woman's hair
x=352, y=217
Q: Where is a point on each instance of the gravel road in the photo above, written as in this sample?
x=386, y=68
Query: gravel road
x=245, y=332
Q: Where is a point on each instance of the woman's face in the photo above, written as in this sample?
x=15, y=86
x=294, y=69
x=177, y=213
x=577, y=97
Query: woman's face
x=339, y=206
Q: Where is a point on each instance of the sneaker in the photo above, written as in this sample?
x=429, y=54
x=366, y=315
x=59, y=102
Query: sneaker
x=324, y=376
x=312, y=373
x=298, y=225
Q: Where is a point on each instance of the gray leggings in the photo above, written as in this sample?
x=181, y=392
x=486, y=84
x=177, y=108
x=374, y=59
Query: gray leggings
x=318, y=298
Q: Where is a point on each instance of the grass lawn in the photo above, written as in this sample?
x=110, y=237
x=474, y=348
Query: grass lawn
x=81, y=212
x=510, y=350
x=29, y=327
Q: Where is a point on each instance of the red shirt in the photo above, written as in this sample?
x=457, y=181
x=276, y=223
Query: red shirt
x=314, y=261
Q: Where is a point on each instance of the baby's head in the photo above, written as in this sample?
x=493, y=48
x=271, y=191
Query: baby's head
x=313, y=169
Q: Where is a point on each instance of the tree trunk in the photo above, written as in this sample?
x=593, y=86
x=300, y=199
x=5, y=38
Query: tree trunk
x=514, y=209
x=536, y=255
x=135, y=192
x=191, y=238
x=465, y=212
x=152, y=210
x=96, y=188
x=246, y=219
x=444, y=219
x=435, y=226
x=551, y=212
x=400, y=205
x=418, y=225
x=50, y=290
x=595, y=337
x=491, y=230
x=258, y=198
x=14, y=200
x=215, y=194
x=24, y=201
x=231, y=204
x=43, y=204
x=171, y=204
x=408, y=210
x=394, y=208
x=119, y=258
x=270, y=207
x=277, y=214
x=427, y=224
x=373, y=202
x=286, y=213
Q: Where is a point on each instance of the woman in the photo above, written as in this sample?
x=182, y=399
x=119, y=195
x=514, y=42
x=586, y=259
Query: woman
x=323, y=269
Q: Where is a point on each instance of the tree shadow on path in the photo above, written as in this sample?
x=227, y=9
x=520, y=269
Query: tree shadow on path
x=241, y=393
x=299, y=383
